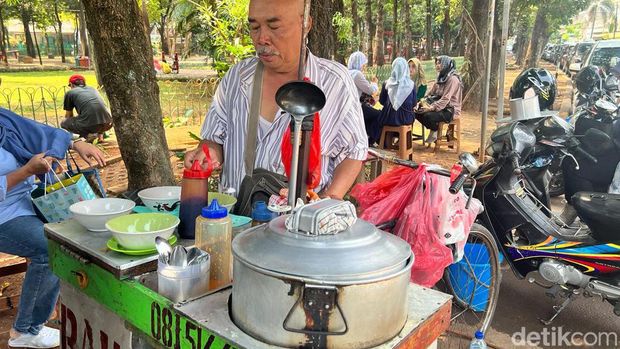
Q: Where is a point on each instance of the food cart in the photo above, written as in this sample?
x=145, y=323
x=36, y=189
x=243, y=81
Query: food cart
x=110, y=300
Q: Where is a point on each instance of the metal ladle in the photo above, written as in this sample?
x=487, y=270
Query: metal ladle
x=300, y=99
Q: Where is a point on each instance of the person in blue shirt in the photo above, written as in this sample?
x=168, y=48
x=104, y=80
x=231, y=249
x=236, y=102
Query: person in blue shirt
x=27, y=148
x=398, y=97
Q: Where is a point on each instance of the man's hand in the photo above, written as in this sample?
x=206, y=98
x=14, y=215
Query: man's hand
x=88, y=152
x=198, y=154
x=38, y=164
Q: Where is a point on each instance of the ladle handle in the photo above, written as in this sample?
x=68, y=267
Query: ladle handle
x=292, y=187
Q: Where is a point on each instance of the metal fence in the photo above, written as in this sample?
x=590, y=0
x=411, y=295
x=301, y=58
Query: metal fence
x=182, y=102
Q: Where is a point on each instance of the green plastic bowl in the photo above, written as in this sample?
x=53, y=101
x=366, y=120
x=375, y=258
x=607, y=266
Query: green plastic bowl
x=138, y=231
x=225, y=200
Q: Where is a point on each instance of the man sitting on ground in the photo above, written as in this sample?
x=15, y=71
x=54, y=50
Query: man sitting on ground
x=93, y=117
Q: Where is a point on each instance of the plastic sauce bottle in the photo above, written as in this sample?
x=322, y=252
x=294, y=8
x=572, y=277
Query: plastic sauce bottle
x=194, y=196
x=214, y=235
x=261, y=214
x=478, y=342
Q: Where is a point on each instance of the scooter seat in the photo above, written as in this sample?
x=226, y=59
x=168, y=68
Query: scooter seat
x=601, y=212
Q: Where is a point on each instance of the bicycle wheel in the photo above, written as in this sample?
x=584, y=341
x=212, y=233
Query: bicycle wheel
x=474, y=281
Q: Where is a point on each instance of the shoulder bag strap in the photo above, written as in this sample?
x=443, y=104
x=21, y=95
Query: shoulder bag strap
x=251, y=135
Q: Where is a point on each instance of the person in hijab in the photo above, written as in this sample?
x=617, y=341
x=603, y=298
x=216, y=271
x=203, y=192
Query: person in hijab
x=416, y=72
x=398, y=97
x=365, y=89
x=27, y=148
x=444, y=98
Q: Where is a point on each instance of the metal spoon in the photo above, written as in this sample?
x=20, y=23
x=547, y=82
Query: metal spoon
x=164, y=249
x=192, y=254
x=179, y=256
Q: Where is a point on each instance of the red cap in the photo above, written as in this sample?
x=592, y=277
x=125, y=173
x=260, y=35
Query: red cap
x=197, y=172
x=75, y=78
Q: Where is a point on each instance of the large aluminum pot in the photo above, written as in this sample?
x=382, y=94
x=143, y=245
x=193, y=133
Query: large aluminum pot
x=347, y=290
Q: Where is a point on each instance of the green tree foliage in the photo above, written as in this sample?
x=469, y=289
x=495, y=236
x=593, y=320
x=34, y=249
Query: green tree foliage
x=228, y=30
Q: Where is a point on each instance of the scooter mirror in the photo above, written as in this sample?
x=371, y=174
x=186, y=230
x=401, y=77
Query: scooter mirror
x=470, y=162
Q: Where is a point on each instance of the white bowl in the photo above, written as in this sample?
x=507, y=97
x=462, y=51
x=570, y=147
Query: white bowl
x=138, y=231
x=93, y=214
x=161, y=199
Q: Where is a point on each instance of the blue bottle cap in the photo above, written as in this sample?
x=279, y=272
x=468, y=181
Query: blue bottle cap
x=479, y=335
x=214, y=210
x=261, y=213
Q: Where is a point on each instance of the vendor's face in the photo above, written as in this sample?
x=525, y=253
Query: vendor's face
x=411, y=70
x=437, y=66
x=275, y=29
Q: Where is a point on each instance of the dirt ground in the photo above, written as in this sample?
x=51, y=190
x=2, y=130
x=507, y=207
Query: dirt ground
x=114, y=177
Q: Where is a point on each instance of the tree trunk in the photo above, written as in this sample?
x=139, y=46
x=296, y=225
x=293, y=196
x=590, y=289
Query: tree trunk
x=164, y=38
x=522, y=41
x=474, y=54
x=36, y=43
x=132, y=90
x=26, y=17
x=539, y=33
x=378, y=49
x=59, y=34
x=369, y=33
x=356, y=28
x=3, y=35
x=446, y=27
x=429, y=31
x=395, y=46
x=497, y=46
x=321, y=38
x=462, y=34
x=408, y=30
x=83, y=35
x=145, y=20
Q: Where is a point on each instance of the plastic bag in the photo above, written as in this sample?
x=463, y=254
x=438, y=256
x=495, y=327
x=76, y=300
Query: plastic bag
x=385, y=198
x=417, y=226
x=314, y=162
x=452, y=220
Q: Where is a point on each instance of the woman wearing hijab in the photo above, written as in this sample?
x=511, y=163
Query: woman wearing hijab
x=365, y=89
x=26, y=149
x=446, y=95
x=416, y=72
x=398, y=97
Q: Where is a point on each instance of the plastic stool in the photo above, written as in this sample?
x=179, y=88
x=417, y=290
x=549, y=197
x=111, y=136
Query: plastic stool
x=452, y=137
x=404, y=148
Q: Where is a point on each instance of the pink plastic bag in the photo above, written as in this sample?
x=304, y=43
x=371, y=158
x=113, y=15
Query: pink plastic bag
x=385, y=198
x=429, y=217
x=417, y=226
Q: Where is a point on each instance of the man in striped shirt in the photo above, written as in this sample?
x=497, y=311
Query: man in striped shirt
x=275, y=29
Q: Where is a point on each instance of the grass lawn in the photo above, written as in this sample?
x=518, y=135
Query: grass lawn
x=45, y=79
x=39, y=95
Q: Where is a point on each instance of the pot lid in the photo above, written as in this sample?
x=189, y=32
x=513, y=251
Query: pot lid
x=361, y=252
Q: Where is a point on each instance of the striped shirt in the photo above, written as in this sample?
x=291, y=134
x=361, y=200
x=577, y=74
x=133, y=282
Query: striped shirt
x=342, y=124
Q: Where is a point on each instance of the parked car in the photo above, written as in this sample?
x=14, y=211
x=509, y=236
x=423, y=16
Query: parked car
x=601, y=55
x=548, y=53
x=580, y=52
